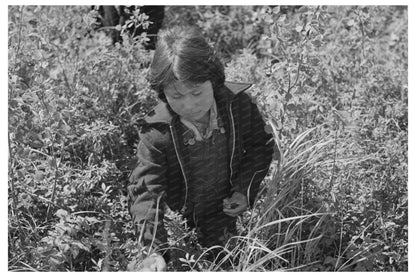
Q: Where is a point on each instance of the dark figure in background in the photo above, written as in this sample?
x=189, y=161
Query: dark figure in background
x=111, y=16
x=285, y=9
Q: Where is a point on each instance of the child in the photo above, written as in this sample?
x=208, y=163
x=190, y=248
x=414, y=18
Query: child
x=203, y=150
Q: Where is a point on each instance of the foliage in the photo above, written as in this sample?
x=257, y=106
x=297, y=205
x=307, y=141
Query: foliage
x=74, y=104
x=316, y=75
x=331, y=83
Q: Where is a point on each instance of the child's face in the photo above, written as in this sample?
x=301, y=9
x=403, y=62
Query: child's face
x=190, y=101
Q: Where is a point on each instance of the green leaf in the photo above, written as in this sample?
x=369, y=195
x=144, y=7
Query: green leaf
x=303, y=9
x=80, y=245
x=291, y=107
x=74, y=252
x=314, y=61
x=54, y=261
x=47, y=252
x=54, y=73
x=64, y=247
x=52, y=162
x=61, y=213
x=20, y=174
x=268, y=19
x=268, y=129
x=38, y=176
x=317, y=43
x=92, y=220
x=183, y=260
x=288, y=96
x=329, y=260
x=276, y=10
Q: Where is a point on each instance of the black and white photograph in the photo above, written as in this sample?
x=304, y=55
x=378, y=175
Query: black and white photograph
x=207, y=138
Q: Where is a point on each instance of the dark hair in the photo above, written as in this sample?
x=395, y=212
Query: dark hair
x=183, y=54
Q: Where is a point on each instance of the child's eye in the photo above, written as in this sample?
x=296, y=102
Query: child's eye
x=196, y=93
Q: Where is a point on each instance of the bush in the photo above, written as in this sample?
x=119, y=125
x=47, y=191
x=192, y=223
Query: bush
x=75, y=101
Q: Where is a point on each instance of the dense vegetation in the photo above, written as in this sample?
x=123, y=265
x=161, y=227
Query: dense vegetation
x=331, y=83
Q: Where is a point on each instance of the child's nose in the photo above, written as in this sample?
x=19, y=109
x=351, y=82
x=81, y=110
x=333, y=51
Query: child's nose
x=191, y=103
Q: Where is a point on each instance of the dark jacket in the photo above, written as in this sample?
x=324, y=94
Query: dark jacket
x=161, y=173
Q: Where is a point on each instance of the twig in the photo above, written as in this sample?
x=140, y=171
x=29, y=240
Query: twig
x=107, y=241
x=11, y=172
x=53, y=190
x=53, y=159
x=63, y=71
x=28, y=267
x=297, y=76
x=362, y=32
x=335, y=157
x=65, y=78
x=20, y=34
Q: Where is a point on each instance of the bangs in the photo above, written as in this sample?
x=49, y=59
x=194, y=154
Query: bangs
x=191, y=70
x=166, y=77
x=184, y=70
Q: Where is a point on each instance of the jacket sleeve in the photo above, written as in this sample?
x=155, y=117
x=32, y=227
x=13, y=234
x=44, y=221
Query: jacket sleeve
x=258, y=150
x=146, y=190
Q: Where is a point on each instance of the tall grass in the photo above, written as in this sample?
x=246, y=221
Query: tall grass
x=281, y=232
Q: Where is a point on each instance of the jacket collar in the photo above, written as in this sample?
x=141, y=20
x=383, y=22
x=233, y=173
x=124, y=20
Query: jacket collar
x=162, y=114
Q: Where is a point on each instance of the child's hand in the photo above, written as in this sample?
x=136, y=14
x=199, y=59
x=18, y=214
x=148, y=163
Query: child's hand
x=235, y=205
x=154, y=262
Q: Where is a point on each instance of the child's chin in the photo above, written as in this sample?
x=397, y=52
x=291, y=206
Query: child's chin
x=195, y=117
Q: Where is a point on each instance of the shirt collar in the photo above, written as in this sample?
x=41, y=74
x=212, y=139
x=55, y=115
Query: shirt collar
x=212, y=124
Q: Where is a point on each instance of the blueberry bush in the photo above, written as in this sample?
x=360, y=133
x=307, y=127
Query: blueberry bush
x=330, y=81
